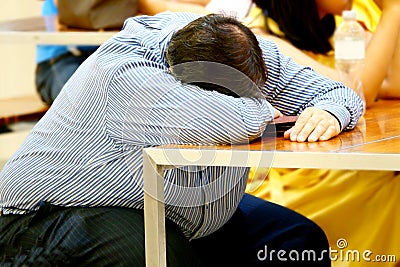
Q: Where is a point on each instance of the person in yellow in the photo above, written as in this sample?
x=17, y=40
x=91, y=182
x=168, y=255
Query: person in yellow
x=309, y=25
x=282, y=20
x=358, y=210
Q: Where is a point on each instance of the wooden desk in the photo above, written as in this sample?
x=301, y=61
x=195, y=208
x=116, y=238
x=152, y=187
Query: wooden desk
x=373, y=145
x=33, y=30
x=22, y=108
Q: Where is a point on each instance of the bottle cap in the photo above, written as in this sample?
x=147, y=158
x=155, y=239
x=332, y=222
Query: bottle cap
x=349, y=14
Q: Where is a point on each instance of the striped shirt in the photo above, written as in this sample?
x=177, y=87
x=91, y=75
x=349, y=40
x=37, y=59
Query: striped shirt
x=87, y=149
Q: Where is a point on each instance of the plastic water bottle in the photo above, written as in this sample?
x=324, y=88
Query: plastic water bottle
x=350, y=51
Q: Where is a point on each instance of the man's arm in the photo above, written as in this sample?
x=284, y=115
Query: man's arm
x=325, y=106
x=391, y=84
x=299, y=56
x=382, y=54
x=157, y=109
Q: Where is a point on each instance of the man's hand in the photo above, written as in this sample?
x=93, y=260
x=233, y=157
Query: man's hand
x=313, y=125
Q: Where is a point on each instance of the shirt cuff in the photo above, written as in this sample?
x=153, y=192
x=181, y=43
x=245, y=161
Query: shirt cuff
x=339, y=112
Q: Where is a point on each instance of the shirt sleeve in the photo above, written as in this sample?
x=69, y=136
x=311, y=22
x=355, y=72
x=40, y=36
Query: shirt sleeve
x=148, y=106
x=291, y=88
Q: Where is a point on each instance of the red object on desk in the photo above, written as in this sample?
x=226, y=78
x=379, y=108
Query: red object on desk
x=280, y=125
x=285, y=119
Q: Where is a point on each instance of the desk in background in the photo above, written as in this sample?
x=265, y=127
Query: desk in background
x=373, y=145
x=33, y=30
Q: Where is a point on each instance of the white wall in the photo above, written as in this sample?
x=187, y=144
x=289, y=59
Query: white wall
x=17, y=61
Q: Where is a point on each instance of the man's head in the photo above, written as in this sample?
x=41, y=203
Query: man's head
x=216, y=38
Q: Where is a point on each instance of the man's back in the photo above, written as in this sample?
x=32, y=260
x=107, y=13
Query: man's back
x=87, y=149
x=74, y=190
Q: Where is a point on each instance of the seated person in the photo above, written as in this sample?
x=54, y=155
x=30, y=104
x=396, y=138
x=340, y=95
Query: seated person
x=73, y=192
x=313, y=46
x=284, y=18
x=340, y=201
x=55, y=64
x=348, y=204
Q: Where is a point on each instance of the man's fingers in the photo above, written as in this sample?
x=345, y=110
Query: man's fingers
x=301, y=122
x=329, y=133
x=313, y=125
x=319, y=131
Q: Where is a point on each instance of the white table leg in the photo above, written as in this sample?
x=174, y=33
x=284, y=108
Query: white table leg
x=154, y=213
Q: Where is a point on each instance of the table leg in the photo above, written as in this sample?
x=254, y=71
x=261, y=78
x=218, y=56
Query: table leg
x=154, y=213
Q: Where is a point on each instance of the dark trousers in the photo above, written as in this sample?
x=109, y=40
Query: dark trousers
x=261, y=233
x=56, y=236
x=52, y=74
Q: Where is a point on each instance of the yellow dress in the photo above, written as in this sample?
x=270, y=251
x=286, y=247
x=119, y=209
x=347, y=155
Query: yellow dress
x=358, y=210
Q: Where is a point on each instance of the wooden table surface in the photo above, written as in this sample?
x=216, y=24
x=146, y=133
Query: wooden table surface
x=377, y=132
x=373, y=145
x=375, y=138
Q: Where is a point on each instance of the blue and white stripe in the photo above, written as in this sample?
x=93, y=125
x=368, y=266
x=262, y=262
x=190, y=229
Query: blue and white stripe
x=87, y=149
